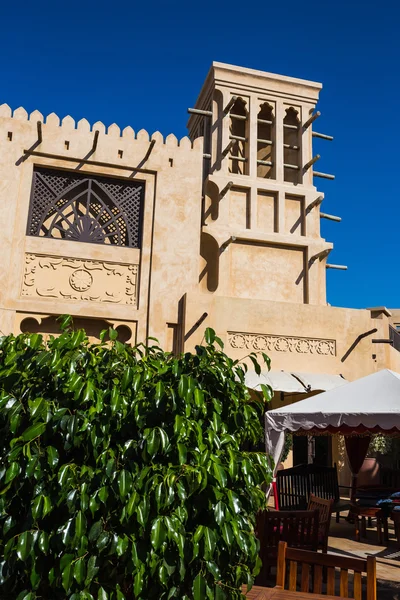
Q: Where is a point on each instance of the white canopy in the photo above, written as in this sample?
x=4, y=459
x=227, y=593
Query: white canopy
x=293, y=382
x=372, y=402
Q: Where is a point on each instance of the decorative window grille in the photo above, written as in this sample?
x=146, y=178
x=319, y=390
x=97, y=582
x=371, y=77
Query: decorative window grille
x=85, y=208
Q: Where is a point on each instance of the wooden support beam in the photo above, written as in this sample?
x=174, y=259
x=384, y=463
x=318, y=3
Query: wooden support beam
x=95, y=140
x=146, y=156
x=311, y=119
x=314, y=203
x=230, y=104
x=337, y=267
x=238, y=138
x=39, y=131
x=239, y=117
x=228, y=148
x=323, y=136
x=382, y=341
x=323, y=175
x=226, y=189
x=321, y=255
x=330, y=217
x=311, y=162
x=197, y=111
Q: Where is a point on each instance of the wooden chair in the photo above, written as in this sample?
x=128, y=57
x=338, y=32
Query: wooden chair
x=312, y=565
x=299, y=529
x=295, y=485
x=324, y=508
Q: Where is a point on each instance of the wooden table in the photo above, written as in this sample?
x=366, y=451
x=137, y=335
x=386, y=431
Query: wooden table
x=262, y=593
x=371, y=512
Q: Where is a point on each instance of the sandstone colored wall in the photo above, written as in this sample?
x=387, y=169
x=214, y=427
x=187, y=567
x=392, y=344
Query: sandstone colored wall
x=138, y=287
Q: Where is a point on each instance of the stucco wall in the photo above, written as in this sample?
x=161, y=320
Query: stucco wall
x=139, y=287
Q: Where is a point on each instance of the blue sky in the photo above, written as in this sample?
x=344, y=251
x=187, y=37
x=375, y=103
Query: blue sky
x=142, y=64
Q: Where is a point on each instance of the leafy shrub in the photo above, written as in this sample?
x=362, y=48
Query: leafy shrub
x=122, y=474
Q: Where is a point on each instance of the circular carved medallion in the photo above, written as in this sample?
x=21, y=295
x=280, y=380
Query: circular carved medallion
x=80, y=280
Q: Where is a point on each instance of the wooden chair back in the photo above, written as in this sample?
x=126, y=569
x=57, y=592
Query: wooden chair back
x=295, y=485
x=324, y=508
x=390, y=477
x=311, y=566
x=298, y=528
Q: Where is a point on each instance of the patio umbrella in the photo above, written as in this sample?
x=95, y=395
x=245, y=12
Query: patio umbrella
x=359, y=408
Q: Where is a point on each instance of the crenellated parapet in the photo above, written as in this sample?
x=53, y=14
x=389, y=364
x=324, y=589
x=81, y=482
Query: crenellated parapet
x=113, y=131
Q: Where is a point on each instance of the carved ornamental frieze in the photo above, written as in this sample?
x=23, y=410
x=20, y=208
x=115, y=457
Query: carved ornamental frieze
x=281, y=343
x=77, y=279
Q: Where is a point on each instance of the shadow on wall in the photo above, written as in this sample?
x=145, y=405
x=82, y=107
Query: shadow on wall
x=209, y=251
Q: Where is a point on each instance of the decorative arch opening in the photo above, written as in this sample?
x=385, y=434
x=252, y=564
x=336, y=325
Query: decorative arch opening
x=292, y=146
x=49, y=326
x=238, y=129
x=265, y=142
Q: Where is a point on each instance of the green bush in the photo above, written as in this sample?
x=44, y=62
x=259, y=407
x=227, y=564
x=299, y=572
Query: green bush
x=122, y=474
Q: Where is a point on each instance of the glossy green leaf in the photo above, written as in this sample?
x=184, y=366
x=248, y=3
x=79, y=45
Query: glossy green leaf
x=92, y=569
x=102, y=594
x=43, y=542
x=158, y=533
x=95, y=531
x=80, y=570
x=33, y=431
x=67, y=575
x=209, y=542
x=124, y=483
x=122, y=545
x=12, y=471
x=24, y=545
x=52, y=456
x=209, y=335
x=220, y=474
x=37, y=406
x=199, y=587
x=153, y=442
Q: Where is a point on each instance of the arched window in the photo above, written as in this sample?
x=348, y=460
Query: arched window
x=238, y=156
x=291, y=146
x=265, y=142
x=83, y=208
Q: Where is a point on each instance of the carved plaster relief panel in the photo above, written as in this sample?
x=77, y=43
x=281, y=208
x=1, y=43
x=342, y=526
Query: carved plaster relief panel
x=282, y=343
x=76, y=279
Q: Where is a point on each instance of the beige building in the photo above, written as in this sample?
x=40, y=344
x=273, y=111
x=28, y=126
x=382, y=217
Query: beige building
x=164, y=237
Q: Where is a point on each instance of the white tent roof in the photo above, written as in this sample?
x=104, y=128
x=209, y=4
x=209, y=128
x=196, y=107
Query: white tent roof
x=372, y=401
x=293, y=382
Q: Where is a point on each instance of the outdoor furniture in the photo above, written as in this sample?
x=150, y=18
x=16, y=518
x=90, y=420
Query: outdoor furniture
x=312, y=566
x=351, y=410
x=299, y=529
x=395, y=516
x=390, y=477
x=361, y=513
x=324, y=508
x=294, y=487
x=275, y=593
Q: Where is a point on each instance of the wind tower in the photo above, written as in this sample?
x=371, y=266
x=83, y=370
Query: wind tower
x=261, y=208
